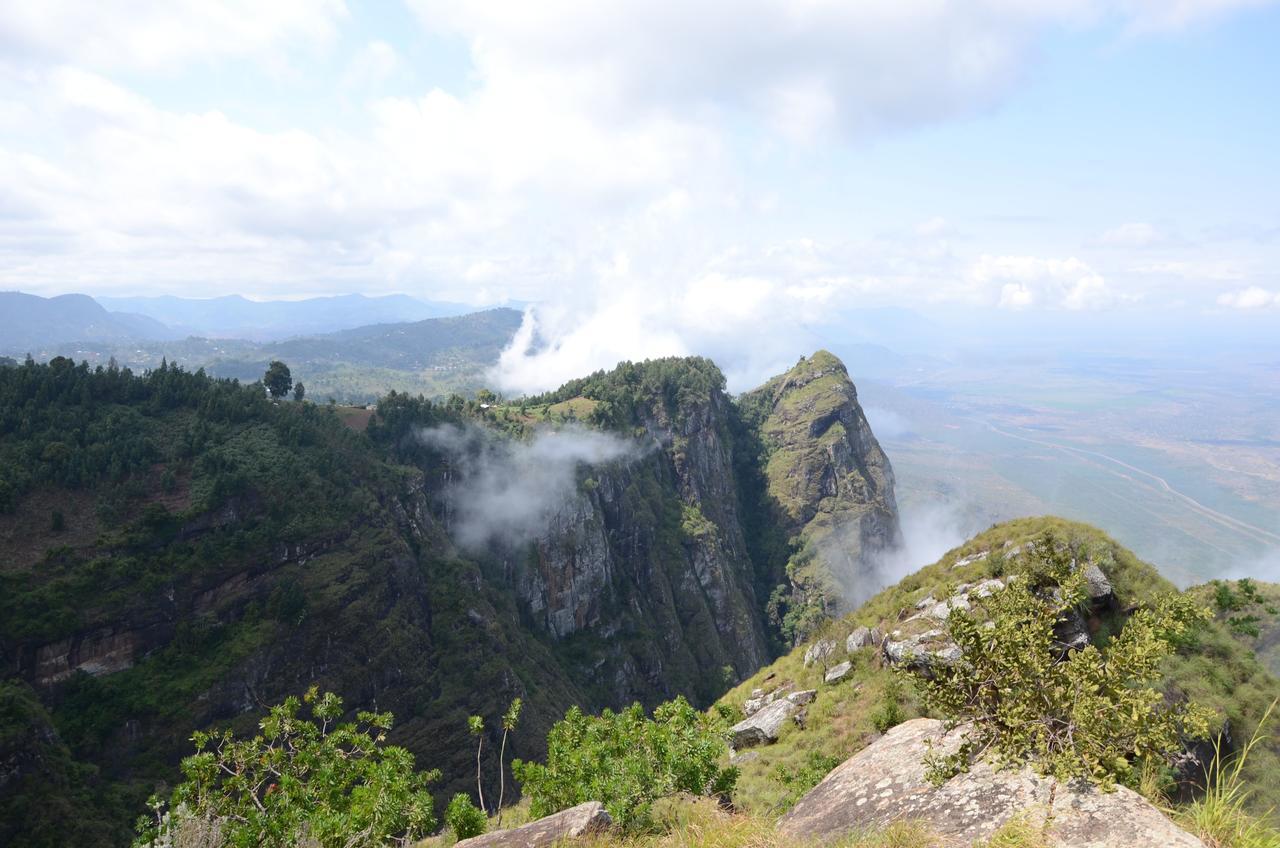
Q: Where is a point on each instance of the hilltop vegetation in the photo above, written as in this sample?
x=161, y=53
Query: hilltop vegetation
x=1210, y=667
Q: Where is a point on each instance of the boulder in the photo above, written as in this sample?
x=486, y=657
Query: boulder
x=921, y=651
x=819, y=651
x=763, y=727
x=545, y=832
x=838, y=673
x=759, y=699
x=802, y=697
x=858, y=639
x=1097, y=585
x=885, y=783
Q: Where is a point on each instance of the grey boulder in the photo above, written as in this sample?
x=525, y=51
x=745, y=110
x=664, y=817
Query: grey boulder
x=885, y=783
x=762, y=728
x=837, y=673
x=545, y=832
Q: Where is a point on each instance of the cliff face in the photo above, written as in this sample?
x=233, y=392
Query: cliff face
x=828, y=477
x=649, y=564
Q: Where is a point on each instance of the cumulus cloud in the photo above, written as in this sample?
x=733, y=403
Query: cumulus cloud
x=154, y=34
x=1253, y=297
x=805, y=68
x=630, y=136
x=509, y=492
x=1026, y=281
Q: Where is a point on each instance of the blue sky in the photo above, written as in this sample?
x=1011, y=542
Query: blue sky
x=661, y=177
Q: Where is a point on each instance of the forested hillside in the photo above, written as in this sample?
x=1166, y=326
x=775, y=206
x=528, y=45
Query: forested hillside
x=178, y=551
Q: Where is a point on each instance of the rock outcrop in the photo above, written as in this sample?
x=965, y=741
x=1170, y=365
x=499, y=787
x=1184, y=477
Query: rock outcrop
x=572, y=823
x=828, y=475
x=885, y=783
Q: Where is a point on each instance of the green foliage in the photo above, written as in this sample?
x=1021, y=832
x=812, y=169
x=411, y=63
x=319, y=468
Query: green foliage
x=672, y=386
x=798, y=781
x=627, y=761
x=300, y=781
x=464, y=818
x=889, y=713
x=1092, y=714
x=696, y=526
x=278, y=380
x=1244, y=598
x=299, y=391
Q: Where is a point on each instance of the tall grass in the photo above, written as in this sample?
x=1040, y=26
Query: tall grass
x=1220, y=818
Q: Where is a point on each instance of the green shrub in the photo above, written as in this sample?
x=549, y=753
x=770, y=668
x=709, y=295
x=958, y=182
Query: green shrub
x=1092, y=714
x=318, y=781
x=464, y=818
x=799, y=781
x=887, y=715
x=627, y=761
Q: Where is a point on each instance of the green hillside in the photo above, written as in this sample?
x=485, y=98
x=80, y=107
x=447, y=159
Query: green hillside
x=1215, y=669
x=434, y=357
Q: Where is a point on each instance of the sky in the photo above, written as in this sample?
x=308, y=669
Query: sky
x=658, y=177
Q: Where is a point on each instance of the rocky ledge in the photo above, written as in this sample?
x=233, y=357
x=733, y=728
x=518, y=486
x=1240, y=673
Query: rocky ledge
x=885, y=783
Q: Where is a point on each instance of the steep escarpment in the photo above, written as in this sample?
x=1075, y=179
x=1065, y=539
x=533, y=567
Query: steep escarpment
x=830, y=482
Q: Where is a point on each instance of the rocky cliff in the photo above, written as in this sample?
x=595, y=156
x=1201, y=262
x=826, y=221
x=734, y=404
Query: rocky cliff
x=830, y=482
x=213, y=552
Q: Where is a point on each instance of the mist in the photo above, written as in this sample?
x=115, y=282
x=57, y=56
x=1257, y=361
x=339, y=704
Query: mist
x=928, y=531
x=507, y=492
x=1265, y=567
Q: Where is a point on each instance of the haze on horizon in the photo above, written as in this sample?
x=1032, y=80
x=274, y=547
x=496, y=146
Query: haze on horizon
x=1044, y=235
x=659, y=177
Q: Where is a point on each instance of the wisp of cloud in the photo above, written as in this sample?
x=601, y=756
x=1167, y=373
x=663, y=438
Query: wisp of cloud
x=508, y=492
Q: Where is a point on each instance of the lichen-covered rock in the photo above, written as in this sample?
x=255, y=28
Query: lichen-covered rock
x=838, y=673
x=920, y=651
x=1097, y=586
x=885, y=783
x=763, y=727
x=858, y=639
x=804, y=696
x=819, y=652
x=581, y=820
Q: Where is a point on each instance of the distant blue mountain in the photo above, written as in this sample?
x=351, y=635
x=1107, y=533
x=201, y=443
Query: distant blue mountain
x=238, y=317
x=29, y=322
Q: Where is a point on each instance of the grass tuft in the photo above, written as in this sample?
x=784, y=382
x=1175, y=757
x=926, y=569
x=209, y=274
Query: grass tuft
x=1222, y=818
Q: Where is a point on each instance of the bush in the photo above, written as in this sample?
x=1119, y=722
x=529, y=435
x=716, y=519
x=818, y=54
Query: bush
x=1090, y=714
x=627, y=761
x=315, y=781
x=887, y=715
x=799, y=781
x=464, y=818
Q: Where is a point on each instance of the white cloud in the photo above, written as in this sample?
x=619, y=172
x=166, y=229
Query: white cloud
x=1253, y=297
x=372, y=65
x=620, y=150
x=152, y=34
x=1132, y=235
x=1026, y=281
x=803, y=67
